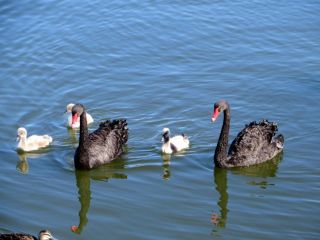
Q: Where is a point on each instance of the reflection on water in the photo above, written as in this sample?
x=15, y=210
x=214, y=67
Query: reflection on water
x=83, y=184
x=83, y=181
x=166, y=162
x=220, y=180
x=22, y=164
x=166, y=166
x=263, y=170
x=73, y=135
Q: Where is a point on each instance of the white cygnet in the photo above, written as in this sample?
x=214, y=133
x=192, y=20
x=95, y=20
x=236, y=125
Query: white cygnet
x=77, y=123
x=33, y=142
x=173, y=144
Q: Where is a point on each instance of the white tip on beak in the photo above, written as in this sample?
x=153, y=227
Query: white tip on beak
x=213, y=119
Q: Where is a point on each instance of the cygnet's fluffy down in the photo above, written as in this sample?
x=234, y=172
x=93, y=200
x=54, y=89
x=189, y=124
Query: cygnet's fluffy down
x=33, y=142
x=77, y=123
x=173, y=144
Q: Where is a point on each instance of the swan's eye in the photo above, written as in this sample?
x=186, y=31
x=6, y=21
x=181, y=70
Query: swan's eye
x=219, y=109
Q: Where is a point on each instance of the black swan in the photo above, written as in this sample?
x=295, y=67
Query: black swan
x=253, y=145
x=43, y=235
x=101, y=146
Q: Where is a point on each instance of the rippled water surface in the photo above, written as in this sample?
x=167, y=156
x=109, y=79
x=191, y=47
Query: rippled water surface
x=160, y=64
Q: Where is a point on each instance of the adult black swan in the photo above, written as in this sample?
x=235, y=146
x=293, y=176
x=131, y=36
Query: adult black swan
x=253, y=145
x=101, y=146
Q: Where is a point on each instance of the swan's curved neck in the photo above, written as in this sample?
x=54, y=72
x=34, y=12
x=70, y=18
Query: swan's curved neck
x=22, y=141
x=221, y=153
x=83, y=129
x=81, y=154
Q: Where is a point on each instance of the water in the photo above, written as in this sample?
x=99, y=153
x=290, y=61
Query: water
x=160, y=64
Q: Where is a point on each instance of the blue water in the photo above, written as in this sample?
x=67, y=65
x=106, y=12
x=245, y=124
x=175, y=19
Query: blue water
x=160, y=64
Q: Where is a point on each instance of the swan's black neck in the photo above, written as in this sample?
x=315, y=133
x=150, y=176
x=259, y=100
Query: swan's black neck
x=166, y=137
x=221, y=153
x=81, y=154
x=83, y=128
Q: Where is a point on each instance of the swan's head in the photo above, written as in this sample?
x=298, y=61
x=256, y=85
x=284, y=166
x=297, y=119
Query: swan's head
x=76, y=111
x=46, y=235
x=21, y=133
x=165, y=130
x=69, y=107
x=165, y=135
x=219, y=107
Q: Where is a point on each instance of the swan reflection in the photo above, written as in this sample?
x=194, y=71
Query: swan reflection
x=83, y=181
x=166, y=162
x=264, y=170
x=73, y=136
x=220, y=180
x=166, y=166
x=23, y=164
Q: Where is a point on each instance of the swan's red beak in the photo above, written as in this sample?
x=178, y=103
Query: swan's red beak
x=215, y=114
x=74, y=228
x=74, y=118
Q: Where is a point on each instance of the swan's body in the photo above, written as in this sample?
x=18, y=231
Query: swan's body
x=77, y=123
x=173, y=144
x=43, y=235
x=101, y=146
x=253, y=145
x=33, y=142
